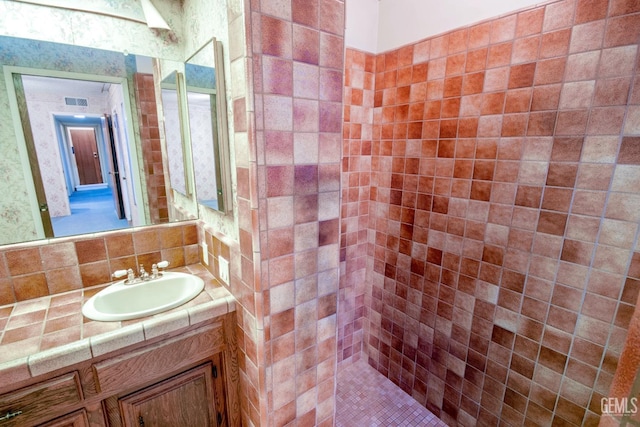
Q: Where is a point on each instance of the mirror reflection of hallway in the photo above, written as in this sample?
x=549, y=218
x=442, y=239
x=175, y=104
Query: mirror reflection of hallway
x=83, y=156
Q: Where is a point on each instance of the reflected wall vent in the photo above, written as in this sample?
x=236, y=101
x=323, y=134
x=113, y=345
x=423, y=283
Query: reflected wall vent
x=82, y=102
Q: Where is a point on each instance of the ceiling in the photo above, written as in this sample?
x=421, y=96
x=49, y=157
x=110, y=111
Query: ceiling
x=64, y=87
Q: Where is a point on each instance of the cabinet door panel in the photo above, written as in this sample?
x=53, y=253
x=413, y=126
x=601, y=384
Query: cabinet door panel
x=41, y=401
x=184, y=400
x=76, y=419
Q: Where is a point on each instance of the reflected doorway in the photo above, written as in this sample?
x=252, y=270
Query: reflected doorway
x=85, y=151
x=79, y=153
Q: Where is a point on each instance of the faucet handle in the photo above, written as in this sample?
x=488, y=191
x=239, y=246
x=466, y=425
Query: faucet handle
x=155, y=269
x=119, y=273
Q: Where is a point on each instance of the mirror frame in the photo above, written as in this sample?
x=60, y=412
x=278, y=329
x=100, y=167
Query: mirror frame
x=187, y=165
x=220, y=128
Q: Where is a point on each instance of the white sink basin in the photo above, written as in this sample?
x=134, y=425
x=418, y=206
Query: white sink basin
x=124, y=302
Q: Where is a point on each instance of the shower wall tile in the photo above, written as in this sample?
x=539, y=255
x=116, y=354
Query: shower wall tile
x=494, y=178
x=356, y=181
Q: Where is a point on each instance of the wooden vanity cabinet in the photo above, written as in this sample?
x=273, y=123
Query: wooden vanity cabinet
x=187, y=379
x=40, y=402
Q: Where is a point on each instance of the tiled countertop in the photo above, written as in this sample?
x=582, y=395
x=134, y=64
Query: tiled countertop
x=44, y=334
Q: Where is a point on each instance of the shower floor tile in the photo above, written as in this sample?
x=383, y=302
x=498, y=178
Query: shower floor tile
x=365, y=398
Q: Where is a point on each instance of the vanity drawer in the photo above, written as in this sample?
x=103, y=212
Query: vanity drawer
x=38, y=402
x=148, y=364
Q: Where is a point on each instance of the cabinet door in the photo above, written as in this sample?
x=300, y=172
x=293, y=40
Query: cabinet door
x=41, y=401
x=76, y=419
x=184, y=400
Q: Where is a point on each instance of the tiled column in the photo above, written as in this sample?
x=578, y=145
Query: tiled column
x=288, y=146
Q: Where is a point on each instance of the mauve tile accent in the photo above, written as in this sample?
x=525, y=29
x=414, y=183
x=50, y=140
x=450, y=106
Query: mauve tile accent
x=630, y=151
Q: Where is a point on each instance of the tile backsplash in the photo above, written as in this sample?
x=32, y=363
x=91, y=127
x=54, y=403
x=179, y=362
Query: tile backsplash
x=37, y=269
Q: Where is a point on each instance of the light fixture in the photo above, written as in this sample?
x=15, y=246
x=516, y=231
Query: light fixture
x=153, y=17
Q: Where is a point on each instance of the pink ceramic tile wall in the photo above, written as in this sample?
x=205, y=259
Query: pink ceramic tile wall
x=503, y=213
x=288, y=169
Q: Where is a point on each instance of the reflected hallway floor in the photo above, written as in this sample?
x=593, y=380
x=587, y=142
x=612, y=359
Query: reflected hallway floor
x=365, y=398
x=91, y=211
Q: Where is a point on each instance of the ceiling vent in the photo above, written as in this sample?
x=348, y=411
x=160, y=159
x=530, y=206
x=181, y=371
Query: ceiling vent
x=81, y=102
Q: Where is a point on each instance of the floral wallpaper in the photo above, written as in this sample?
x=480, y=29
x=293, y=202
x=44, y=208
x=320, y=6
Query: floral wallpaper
x=201, y=131
x=128, y=9
x=14, y=224
x=71, y=27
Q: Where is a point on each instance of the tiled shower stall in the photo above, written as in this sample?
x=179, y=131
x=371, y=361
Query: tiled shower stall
x=490, y=262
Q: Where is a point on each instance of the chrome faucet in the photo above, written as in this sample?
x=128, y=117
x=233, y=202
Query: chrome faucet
x=143, y=276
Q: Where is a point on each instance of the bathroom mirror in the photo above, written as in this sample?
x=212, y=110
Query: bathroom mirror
x=119, y=151
x=174, y=131
x=206, y=105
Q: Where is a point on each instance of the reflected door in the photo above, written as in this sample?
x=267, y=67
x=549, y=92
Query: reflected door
x=114, y=172
x=85, y=148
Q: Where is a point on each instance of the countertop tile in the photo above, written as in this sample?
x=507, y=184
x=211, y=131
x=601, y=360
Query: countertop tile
x=66, y=298
x=91, y=328
x=5, y=311
x=56, y=311
x=30, y=306
x=59, y=357
x=120, y=338
x=15, y=370
x=205, y=311
x=161, y=325
x=61, y=337
x=63, y=322
x=20, y=320
x=49, y=333
x=19, y=349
